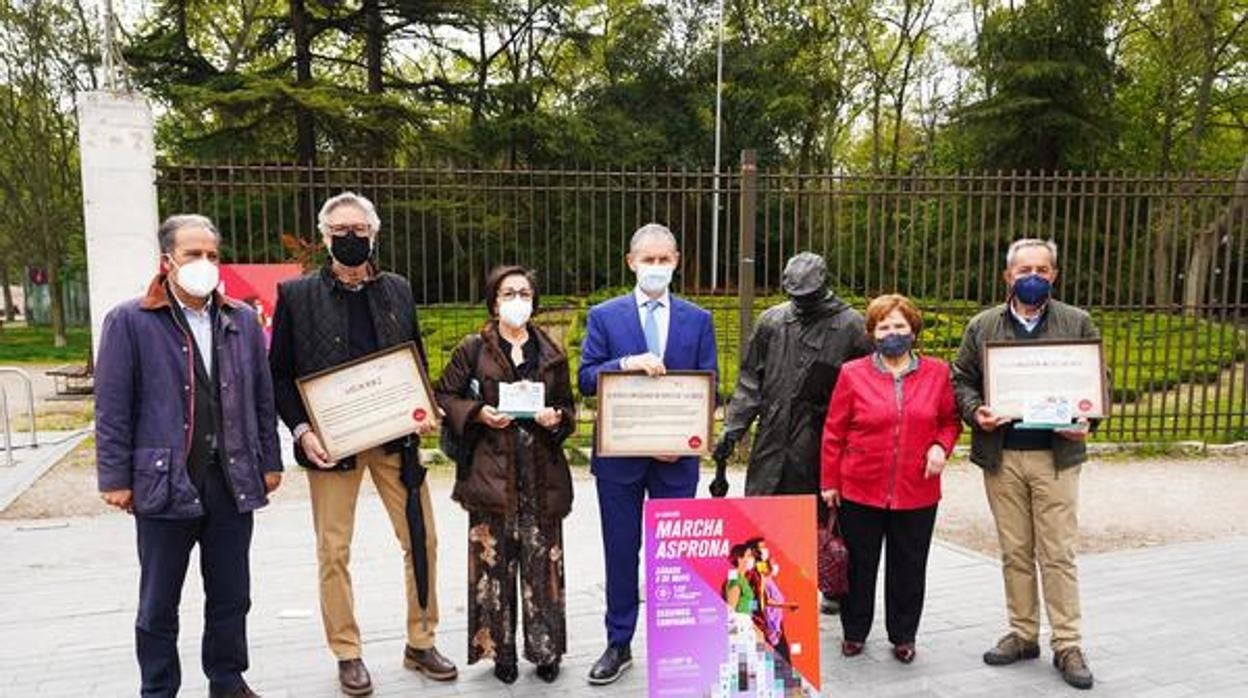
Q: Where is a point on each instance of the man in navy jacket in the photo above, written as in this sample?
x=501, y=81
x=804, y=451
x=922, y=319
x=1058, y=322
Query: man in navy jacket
x=186, y=440
x=647, y=330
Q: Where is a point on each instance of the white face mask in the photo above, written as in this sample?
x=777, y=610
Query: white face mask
x=654, y=278
x=199, y=278
x=515, y=312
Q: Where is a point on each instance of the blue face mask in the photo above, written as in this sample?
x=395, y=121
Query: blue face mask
x=894, y=345
x=1032, y=289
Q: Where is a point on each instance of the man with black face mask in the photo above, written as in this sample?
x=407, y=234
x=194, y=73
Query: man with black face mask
x=346, y=310
x=1031, y=476
x=786, y=378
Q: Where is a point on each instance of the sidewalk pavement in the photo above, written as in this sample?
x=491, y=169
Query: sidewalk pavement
x=30, y=463
x=1168, y=621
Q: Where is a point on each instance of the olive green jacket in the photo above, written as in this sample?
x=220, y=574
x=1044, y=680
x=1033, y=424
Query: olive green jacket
x=1062, y=321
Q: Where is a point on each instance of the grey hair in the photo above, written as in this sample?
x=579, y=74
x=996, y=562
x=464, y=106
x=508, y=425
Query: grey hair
x=348, y=198
x=1024, y=243
x=168, y=232
x=652, y=230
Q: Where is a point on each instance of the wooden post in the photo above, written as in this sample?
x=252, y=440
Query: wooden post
x=745, y=273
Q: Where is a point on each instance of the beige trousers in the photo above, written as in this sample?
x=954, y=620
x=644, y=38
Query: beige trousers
x=1036, y=511
x=334, y=494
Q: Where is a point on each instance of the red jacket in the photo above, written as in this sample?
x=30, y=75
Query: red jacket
x=875, y=451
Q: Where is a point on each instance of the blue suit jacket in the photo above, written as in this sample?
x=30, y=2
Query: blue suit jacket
x=614, y=331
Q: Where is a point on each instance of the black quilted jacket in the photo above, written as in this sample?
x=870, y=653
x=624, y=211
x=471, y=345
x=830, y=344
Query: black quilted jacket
x=310, y=334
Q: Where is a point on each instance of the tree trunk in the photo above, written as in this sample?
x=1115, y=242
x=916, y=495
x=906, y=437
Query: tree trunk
x=10, y=312
x=375, y=39
x=1162, y=264
x=1208, y=70
x=1205, y=244
x=374, y=49
x=875, y=127
x=305, y=127
x=56, y=305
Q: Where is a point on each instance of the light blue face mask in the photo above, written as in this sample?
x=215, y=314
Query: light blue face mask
x=654, y=278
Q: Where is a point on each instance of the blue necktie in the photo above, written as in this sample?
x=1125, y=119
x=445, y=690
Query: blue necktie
x=652, y=329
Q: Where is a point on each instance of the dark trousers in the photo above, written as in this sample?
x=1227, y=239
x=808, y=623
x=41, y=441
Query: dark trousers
x=224, y=538
x=907, y=537
x=620, y=508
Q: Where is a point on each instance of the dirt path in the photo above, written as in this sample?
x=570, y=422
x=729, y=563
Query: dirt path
x=1124, y=503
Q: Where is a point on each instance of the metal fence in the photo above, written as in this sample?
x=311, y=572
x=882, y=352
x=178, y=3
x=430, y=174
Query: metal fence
x=1158, y=259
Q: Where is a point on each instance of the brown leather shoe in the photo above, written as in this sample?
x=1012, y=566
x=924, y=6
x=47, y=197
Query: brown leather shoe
x=1010, y=649
x=1074, y=667
x=353, y=677
x=850, y=648
x=429, y=662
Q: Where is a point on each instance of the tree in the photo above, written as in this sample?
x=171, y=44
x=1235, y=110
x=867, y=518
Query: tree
x=45, y=51
x=1185, y=104
x=1048, y=87
x=892, y=38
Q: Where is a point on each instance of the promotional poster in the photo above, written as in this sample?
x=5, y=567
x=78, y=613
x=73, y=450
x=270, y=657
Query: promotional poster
x=256, y=285
x=732, y=604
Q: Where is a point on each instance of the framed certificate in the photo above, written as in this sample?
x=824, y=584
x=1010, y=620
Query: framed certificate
x=668, y=415
x=369, y=401
x=1046, y=383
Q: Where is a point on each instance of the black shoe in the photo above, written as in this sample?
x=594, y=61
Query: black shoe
x=548, y=672
x=1010, y=649
x=829, y=606
x=611, y=665
x=1074, y=667
x=506, y=671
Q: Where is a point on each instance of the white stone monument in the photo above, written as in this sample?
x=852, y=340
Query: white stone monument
x=115, y=131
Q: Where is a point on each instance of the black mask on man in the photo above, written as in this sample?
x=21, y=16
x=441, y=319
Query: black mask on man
x=350, y=250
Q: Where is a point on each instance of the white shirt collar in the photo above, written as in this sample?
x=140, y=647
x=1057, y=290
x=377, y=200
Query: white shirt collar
x=664, y=300
x=1026, y=322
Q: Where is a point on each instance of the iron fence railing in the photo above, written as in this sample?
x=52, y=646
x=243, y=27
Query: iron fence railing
x=1158, y=259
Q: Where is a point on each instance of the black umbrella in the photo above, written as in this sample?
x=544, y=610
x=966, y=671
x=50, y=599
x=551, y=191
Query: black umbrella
x=412, y=474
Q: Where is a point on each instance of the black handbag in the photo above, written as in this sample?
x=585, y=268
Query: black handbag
x=459, y=447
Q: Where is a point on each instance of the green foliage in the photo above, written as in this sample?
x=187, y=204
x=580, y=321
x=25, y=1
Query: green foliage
x=45, y=61
x=1049, y=87
x=1157, y=361
x=34, y=345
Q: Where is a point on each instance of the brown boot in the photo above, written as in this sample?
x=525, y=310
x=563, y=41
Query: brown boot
x=1010, y=649
x=353, y=677
x=1074, y=667
x=429, y=662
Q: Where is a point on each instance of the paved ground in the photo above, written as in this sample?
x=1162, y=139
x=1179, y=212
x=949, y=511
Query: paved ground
x=1167, y=621
x=29, y=464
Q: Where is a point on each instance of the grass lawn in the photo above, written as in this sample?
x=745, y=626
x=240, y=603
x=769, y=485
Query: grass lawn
x=33, y=345
x=1161, y=364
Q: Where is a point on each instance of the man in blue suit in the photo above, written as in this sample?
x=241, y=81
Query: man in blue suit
x=652, y=331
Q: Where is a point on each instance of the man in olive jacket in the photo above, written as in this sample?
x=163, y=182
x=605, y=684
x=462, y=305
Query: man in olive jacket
x=1031, y=476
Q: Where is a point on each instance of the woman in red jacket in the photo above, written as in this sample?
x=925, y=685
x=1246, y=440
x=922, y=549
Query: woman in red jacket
x=891, y=424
